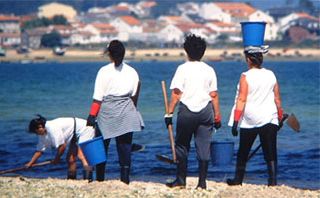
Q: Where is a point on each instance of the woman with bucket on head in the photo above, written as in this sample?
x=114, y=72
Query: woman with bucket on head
x=257, y=109
x=195, y=85
x=115, y=97
x=60, y=133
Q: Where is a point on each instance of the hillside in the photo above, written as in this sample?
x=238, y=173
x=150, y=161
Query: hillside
x=22, y=7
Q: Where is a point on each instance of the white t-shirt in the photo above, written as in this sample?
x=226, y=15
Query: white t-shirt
x=116, y=81
x=60, y=131
x=195, y=80
x=260, y=108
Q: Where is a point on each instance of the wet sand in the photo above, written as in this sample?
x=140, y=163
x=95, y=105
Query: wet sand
x=143, y=186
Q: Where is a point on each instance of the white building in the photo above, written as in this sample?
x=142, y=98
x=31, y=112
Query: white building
x=290, y=20
x=9, y=24
x=175, y=19
x=83, y=38
x=127, y=26
x=234, y=13
x=10, y=39
x=210, y=11
x=223, y=28
x=271, y=32
x=171, y=33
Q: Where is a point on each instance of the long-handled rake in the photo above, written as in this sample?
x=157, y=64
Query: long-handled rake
x=165, y=158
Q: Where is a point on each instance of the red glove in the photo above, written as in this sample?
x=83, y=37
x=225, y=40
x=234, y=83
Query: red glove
x=280, y=114
x=95, y=107
x=236, y=118
x=237, y=115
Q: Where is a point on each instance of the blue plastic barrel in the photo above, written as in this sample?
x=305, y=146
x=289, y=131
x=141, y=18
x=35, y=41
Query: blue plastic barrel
x=221, y=153
x=94, y=151
x=253, y=33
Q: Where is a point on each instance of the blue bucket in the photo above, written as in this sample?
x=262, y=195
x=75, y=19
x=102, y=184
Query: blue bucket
x=94, y=151
x=253, y=33
x=221, y=153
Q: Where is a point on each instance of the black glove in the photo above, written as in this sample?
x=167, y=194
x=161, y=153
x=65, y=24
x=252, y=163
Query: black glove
x=284, y=117
x=234, y=128
x=91, y=120
x=217, y=125
x=168, y=119
x=280, y=125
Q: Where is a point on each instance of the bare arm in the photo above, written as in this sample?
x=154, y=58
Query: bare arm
x=136, y=96
x=60, y=152
x=243, y=93
x=215, y=102
x=175, y=98
x=34, y=158
x=277, y=98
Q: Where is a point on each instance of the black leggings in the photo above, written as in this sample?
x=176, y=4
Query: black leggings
x=268, y=139
x=123, y=143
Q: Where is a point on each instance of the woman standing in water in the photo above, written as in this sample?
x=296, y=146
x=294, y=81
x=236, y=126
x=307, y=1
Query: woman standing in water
x=257, y=111
x=114, y=107
x=194, y=85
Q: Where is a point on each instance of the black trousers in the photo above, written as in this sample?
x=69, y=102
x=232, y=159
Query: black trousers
x=123, y=143
x=268, y=139
x=199, y=125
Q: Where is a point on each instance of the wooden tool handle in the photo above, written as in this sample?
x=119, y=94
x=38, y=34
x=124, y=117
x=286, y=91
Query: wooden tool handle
x=170, y=130
x=24, y=168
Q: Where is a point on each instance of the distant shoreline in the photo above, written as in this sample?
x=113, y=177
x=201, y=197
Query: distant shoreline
x=225, y=54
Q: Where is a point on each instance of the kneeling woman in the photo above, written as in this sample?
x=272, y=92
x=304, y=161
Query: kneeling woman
x=258, y=111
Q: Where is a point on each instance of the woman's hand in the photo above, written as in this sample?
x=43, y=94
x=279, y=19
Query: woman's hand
x=28, y=165
x=217, y=122
x=234, y=129
x=56, y=161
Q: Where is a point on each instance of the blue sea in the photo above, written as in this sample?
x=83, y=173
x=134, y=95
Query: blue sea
x=65, y=89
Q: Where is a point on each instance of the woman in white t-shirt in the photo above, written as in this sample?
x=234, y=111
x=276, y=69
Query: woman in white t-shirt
x=257, y=111
x=114, y=103
x=194, y=85
x=58, y=134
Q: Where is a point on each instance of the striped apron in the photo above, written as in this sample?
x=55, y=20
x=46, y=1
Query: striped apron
x=118, y=116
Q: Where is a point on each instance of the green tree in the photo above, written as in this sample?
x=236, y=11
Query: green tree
x=59, y=20
x=51, y=40
x=39, y=22
x=45, y=22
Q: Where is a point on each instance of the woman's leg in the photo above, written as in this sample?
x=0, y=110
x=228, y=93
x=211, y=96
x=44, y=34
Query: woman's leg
x=247, y=137
x=71, y=159
x=124, y=145
x=268, y=139
x=186, y=126
x=203, y=137
x=101, y=168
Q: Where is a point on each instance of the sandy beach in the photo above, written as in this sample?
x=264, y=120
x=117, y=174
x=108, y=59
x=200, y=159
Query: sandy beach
x=73, y=54
x=140, y=187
